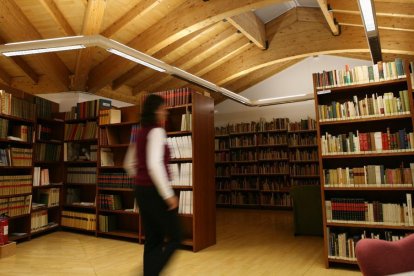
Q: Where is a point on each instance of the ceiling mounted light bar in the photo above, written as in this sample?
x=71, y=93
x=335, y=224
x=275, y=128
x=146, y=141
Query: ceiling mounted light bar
x=43, y=50
x=114, y=47
x=369, y=20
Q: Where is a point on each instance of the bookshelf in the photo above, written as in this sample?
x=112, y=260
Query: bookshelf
x=17, y=121
x=190, y=126
x=252, y=169
x=366, y=155
x=80, y=156
x=48, y=167
x=303, y=153
x=223, y=164
x=117, y=212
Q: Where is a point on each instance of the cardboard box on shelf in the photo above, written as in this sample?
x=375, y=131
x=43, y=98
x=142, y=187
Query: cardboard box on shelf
x=8, y=249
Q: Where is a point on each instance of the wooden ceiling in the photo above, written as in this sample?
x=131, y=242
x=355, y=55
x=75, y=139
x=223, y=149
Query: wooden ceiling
x=221, y=41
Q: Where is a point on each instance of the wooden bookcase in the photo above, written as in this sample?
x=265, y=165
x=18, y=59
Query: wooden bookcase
x=252, y=168
x=117, y=212
x=360, y=175
x=17, y=121
x=199, y=223
x=303, y=153
x=222, y=160
x=80, y=155
x=48, y=167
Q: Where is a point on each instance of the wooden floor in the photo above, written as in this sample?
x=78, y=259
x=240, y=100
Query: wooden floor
x=248, y=243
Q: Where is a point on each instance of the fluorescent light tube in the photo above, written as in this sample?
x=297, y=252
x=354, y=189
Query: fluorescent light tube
x=137, y=60
x=281, y=98
x=43, y=50
x=368, y=14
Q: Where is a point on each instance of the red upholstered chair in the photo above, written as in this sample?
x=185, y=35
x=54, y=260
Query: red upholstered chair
x=379, y=257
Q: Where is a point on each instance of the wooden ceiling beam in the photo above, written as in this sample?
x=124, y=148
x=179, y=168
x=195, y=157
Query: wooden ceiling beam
x=169, y=29
x=329, y=17
x=58, y=17
x=19, y=61
x=170, y=49
x=92, y=22
x=141, y=8
x=6, y=78
x=251, y=26
x=384, y=23
x=397, y=9
x=19, y=28
x=208, y=64
x=190, y=59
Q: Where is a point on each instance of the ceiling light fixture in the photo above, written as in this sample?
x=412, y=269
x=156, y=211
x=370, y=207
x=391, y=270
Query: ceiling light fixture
x=112, y=46
x=137, y=60
x=43, y=50
x=367, y=9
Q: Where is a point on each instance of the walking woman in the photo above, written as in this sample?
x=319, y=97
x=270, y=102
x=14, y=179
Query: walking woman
x=156, y=199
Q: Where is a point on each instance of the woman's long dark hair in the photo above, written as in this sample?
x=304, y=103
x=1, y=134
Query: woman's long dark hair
x=150, y=106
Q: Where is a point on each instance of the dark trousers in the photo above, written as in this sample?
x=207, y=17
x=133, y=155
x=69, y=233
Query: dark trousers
x=158, y=223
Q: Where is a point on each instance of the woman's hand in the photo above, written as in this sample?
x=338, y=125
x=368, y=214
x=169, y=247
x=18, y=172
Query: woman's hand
x=172, y=203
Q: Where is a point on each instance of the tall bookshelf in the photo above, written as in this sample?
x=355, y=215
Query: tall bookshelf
x=222, y=160
x=48, y=167
x=365, y=121
x=303, y=153
x=80, y=166
x=17, y=121
x=117, y=211
x=191, y=127
x=252, y=168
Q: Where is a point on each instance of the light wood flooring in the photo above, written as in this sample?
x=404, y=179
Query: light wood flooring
x=249, y=242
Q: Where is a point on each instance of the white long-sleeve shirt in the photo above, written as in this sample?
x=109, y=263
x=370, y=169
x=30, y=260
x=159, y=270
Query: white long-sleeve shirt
x=156, y=141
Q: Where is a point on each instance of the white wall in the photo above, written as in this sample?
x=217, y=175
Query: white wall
x=68, y=99
x=296, y=79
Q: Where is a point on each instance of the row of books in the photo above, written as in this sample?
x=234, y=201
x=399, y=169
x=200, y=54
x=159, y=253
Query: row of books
x=276, y=199
x=76, y=175
x=15, y=184
x=223, y=156
x=181, y=146
x=109, y=202
x=115, y=180
x=302, y=140
x=13, y=106
x=16, y=206
x=44, y=132
x=303, y=155
x=16, y=157
x=342, y=245
x=368, y=107
x=79, y=220
x=109, y=116
x=39, y=220
x=174, y=97
x=47, y=152
x=49, y=197
x=73, y=151
x=270, y=139
x=358, y=210
x=107, y=223
x=243, y=141
x=275, y=168
x=185, y=205
x=274, y=124
x=369, y=175
x=303, y=124
x=21, y=133
x=371, y=142
x=40, y=176
x=264, y=185
x=182, y=174
x=220, y=144
x=304, y=169
x=43, y=108
x=223, y=171
x=90, y=109
x=361, y=74
x=81, y=131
